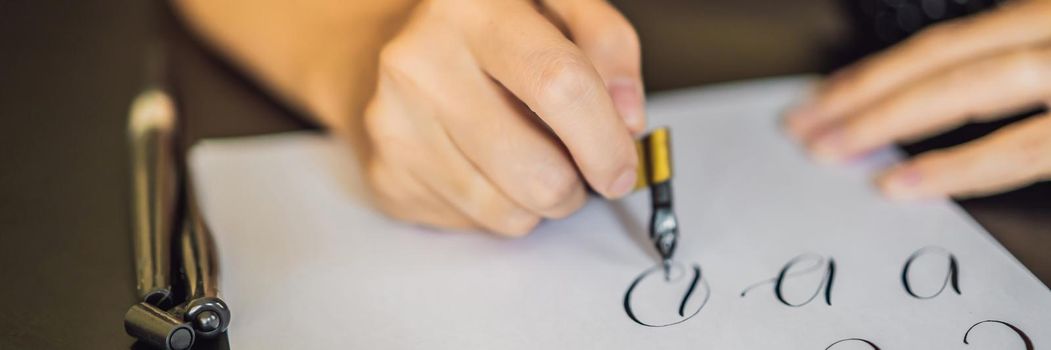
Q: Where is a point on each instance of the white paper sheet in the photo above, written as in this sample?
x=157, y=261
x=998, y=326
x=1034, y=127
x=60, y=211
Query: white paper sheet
x=307, y=264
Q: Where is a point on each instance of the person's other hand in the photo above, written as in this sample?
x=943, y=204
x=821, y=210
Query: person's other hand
x=972, y=69
x=492, y=114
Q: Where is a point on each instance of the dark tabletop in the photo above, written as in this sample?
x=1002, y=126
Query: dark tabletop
x=68, y=70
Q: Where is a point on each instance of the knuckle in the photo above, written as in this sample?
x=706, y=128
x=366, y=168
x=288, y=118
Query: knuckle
x=961, y=75
x=474, y=198
x=554, y=187
x=397, y=60
x=569, y=205
x=394, y=198
x=495, y=212
x=1029, y=70
x=473, y=195
x=562, y=79
x=387, y=131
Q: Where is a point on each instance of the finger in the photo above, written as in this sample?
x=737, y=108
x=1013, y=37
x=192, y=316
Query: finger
x=987, y=88
x=501, y=137
x=1022, y=24
x=406, y=129
x=402, y=197
x=456, y=180
x=532, y=59
x=396, y=192
x=505, y=141
x=610, y=41
x=418, y=143
x=1017, y=155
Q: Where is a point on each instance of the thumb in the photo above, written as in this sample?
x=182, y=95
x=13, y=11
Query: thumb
x=610, y=42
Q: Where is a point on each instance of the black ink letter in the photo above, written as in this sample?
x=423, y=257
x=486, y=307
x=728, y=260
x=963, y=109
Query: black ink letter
x=826, y=281
x=1021, y=334
x=951, y=275
x=696, y=278
x=874, y=347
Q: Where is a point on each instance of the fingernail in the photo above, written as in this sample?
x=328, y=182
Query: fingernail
x=827, y=148
x=902, y=183
x=623, y=184
x=627, y=98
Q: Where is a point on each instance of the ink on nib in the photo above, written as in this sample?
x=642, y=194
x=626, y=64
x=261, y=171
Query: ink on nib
x=667, y=269
x=665, y=243
x=664, y=232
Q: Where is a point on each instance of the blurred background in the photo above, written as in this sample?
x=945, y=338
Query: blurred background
x=68, y=71
x=690, y=42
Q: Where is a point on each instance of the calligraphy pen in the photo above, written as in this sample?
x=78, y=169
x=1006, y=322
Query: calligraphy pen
x=155, y=202
x=654, y=171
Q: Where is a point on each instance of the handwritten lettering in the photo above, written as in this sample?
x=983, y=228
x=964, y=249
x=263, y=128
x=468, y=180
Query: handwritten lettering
x=1021, y=334
x=858, y=340
x=697, y=288
x=1025, y=338
x=685, y=310
x=817, y=262
x=951, y=274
